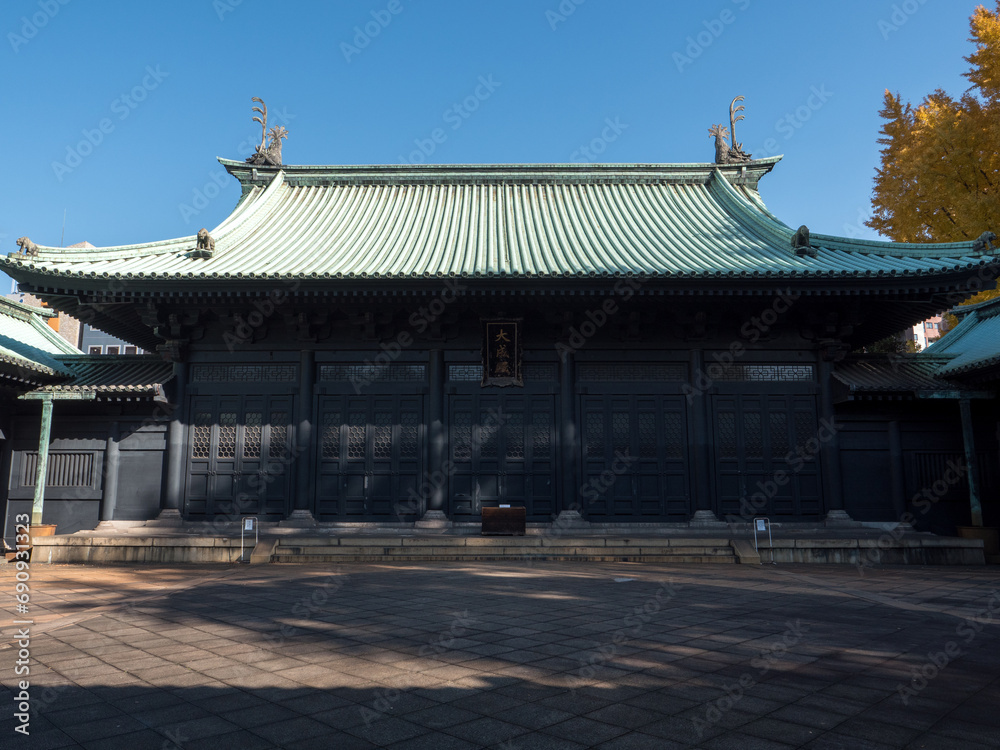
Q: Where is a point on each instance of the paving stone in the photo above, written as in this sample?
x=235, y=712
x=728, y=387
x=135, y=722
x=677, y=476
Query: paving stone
x=740, y=741
x=387, y=730
x=291, y=731
x=580, y=729
x=486, y=731
x=194, y=659
x=129, y=741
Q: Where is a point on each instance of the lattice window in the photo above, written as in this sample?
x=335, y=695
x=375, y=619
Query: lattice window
x=673, y=435
x=201, y=440
x=617, y=372
x=466, y=373
x=474, y=373
x=461, y=431
x=647, y=434
x=331, y=435
x=933, y=469
x=356, y=434
x=409, y=432
x=244, y=373
x=779, y=433
x=620, y=433
x=227, y=435
x=753, y=436
x=805, y=427
x=252, y=431
x=766, y=373
x=514, y=435
x=595, y=435
x=727, y=434
x=63, y=469
x=541, y=445
x=538, y=371
x=488, y=428
x=365, y=374
x=279, y=434
x=383, y=434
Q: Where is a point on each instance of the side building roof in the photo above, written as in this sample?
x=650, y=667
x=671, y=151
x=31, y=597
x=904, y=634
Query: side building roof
x=29, y=347
x=973, y=346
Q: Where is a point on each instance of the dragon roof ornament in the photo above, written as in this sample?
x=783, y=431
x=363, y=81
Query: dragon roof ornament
x=269, y=155
x=724, y=153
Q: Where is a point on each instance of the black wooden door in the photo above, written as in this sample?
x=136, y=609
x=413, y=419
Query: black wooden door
x=503, y=451
x=635, y=461
x=368, y=455
x=766, y=455
x=239, y=457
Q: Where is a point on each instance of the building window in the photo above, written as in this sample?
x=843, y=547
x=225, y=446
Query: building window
x=94, y=350
x=131, y=350
x=114, y=350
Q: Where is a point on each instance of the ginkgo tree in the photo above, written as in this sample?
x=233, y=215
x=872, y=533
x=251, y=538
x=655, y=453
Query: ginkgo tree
x=940, y=175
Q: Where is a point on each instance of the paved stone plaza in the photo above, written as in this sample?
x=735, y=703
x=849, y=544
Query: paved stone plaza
x=441, y=656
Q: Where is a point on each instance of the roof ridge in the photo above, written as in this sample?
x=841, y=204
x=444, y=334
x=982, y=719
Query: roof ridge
x=22, y=311
x=898, y=249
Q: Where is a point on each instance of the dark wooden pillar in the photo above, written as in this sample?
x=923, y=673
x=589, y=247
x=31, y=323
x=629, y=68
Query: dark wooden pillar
x=972, y=462
x=701, y=445
x=436, y=437
x=897, y=470
x=830, y=448
x=568, y=438
x=41, y=474
x=305, y=492
x=173, y=497
x=109, y=497
x=6, y=454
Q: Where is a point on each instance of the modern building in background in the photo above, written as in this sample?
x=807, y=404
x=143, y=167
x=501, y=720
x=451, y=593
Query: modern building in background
x=927, y=332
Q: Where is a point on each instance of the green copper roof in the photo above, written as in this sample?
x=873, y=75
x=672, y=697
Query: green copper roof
x=497, y=221
x=27, y=342
x=974, y=344
x=114, y=377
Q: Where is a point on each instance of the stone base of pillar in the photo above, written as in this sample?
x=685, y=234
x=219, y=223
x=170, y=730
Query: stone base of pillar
x=433, y=519
x=706, y=519
x=840, y=519
x=300, y=519
x=570, y=519
x=167, y=517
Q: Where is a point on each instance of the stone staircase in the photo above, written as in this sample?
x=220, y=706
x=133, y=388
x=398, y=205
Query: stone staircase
x=501, y=548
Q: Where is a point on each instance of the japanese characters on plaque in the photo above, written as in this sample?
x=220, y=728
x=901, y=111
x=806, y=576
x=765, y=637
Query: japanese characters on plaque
x=502, y=352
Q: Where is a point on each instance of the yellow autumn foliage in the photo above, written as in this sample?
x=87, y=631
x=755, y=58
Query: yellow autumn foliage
x=940, y=175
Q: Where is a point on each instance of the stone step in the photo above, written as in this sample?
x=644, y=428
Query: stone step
x=491, y=557
x=507, y=541
x=290, y=550
x=502, y=548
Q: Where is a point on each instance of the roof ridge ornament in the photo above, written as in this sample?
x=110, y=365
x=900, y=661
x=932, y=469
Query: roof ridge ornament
x=29, y=248
x=205, y=246
x=982, y=244
x=270, y=155
x=801, y=244
x=724, y=153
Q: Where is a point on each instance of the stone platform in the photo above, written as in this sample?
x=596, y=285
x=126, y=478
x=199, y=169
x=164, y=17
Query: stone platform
x=366, y=542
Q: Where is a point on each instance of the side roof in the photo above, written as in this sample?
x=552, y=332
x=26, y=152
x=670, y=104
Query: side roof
x=973, y=346
x=681, y=221
x=28, y=343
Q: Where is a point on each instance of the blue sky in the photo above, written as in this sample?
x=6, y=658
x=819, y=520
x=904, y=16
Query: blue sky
x=116, y=111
